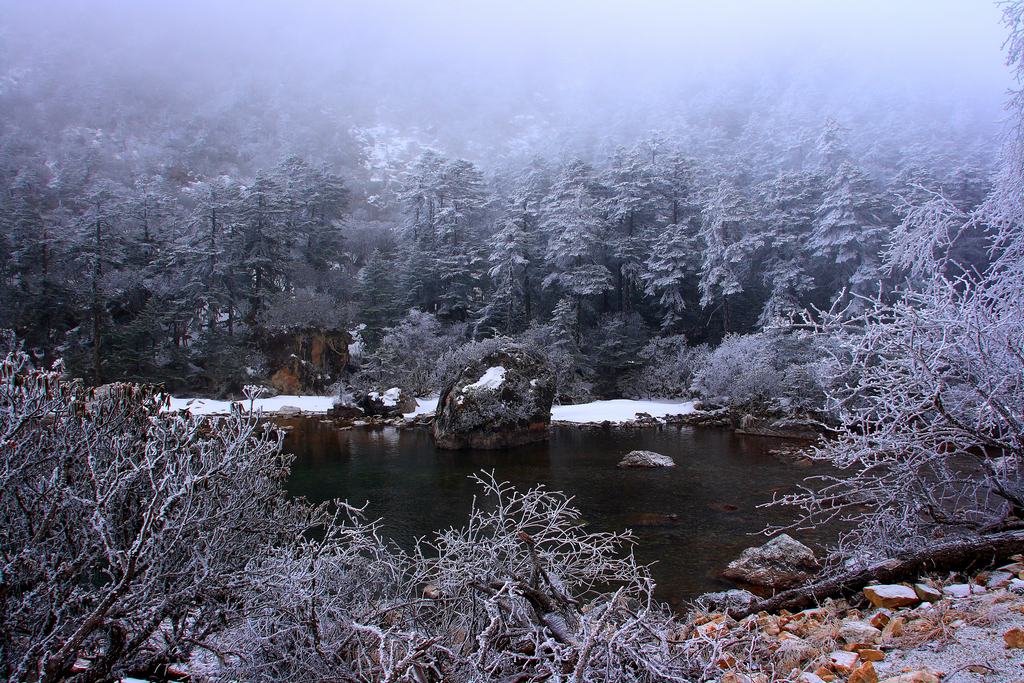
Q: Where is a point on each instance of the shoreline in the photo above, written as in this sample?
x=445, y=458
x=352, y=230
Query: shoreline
x=610, y=411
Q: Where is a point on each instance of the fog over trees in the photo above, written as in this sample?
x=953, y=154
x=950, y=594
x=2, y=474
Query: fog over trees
x=180, y=180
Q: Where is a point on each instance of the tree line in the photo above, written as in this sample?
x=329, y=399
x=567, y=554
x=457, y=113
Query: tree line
x=174, y=274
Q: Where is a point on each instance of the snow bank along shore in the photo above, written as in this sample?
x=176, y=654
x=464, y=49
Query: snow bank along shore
x=616, y=410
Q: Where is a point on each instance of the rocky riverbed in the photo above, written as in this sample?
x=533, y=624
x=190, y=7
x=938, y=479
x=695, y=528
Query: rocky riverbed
x=938, y=628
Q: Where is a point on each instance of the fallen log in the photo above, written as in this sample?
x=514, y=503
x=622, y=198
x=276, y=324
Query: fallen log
x=958, y=554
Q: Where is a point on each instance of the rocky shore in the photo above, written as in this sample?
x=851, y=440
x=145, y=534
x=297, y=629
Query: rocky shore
x=928, y=631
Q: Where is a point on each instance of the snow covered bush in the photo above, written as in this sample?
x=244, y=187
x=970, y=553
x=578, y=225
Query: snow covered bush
x=521, y=590
x=573, y=379
x=668, y=369
x=125, y=531
x=452, y=360
x=784, y=368
x=740, y=370
x=933, y=418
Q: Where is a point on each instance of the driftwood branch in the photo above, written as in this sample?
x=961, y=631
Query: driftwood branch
x=954, y=554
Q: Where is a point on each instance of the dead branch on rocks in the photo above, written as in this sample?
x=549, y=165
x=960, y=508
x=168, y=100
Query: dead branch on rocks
x=955, y=554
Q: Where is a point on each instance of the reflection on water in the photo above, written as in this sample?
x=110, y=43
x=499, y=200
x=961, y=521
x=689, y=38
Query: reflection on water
x=691, y=519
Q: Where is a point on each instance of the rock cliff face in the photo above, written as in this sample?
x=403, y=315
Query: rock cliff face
x=499, y=401
x=307, y=360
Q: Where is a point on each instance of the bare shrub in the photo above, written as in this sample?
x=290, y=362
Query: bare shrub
x=124, y=531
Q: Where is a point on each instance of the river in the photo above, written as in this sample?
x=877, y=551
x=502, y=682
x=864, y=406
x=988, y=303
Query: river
x=689, y=520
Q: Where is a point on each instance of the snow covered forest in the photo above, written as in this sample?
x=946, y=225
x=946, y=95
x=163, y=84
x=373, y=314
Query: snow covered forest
x=809, y=211
x=155, y=230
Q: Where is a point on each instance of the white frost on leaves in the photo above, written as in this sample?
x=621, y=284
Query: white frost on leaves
x=357, y=345
x=493, y=378
x=389, y=398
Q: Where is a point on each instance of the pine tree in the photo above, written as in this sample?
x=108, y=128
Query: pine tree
x=375, y=293
x=832, y=148
x=729, y=240
x=668, y=272
x=260, y=242
x=577, y=227
x=788, y=203
x=631, y=210
x=511, y=257
x=850, y=231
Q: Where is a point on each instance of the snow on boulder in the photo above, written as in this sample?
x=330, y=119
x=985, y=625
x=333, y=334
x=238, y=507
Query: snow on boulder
x=498, y=401
x=782, y=562
x=492, y=379
x=389, y=403
x=646, y=459
x=891, y=595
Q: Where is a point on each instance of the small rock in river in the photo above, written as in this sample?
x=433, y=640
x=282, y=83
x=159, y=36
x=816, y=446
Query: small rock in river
x=646, y=459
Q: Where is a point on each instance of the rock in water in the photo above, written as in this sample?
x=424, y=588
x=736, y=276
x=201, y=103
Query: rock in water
x=499, y=401
x=646, y=459
x=782, y=562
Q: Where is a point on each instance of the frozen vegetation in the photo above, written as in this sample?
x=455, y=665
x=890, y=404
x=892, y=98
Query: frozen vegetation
x=823, y=224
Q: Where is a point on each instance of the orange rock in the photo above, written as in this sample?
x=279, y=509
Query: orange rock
x=843, y=662
x=891, y=595
x=871, y=655
x=824, y=674
x=865, y=673
x=894, y=629
x=1014, y=638
x=726, y=662
x=880, y=618
x=927, y=593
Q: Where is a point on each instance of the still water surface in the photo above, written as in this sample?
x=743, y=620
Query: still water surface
x=690, y=520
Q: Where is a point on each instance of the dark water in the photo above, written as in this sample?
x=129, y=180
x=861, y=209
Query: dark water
x=714, y=490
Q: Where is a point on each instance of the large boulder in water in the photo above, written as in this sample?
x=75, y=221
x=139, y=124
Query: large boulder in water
x=499, y=401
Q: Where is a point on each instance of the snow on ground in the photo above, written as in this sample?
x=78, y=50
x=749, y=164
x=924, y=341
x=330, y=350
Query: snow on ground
x=424, y=406
x=389, y=398
x=618, y=410
x=491, y=379
x=208, y=406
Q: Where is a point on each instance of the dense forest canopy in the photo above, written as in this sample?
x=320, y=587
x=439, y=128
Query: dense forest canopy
x=180, y=181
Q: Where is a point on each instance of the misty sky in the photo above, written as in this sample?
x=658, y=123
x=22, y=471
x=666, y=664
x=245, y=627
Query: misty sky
x=451, y=63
